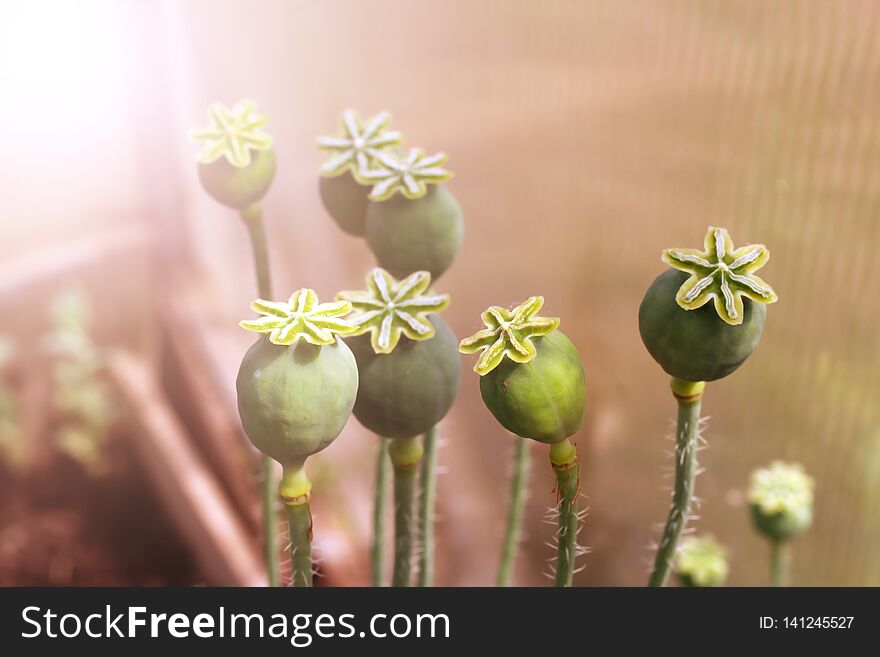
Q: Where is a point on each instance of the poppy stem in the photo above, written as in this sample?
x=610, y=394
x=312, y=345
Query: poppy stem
x=377, y=551
x=515, y=510
x=296, y=491
x=689, y=396
x=780, y=563
x=269, y=522
x=406, y=454
x=563, y=458
x=299, y=518
x=426, y=507
x=253, y=220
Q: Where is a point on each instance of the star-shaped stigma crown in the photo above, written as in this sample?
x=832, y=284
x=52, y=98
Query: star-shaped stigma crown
x=508, y=333
x=410, y=175
x=781, y=488
x=359, y=144
x=232, y=134
x=389, y=308
x=721, y=273
x=301, y=317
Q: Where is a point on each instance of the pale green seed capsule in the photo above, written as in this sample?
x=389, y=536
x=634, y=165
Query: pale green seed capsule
x=781, y=499
x=701, y=562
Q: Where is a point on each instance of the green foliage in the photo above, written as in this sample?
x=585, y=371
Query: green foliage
x=81, y=398
x=13, y=451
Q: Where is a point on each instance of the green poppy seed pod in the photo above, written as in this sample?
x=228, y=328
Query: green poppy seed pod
x=701, y=319
x=411, y=234
x=695, y=345
x=236, y=163
x=239, y=187
x=297, y=386
x=345, y=199
x=783, y=525
x=781, y=499
x=542, y=399
x=531, y=376
x=406, y=354
x=352, y=152
x=294, y=401
x=701, y=562
x=407, y=391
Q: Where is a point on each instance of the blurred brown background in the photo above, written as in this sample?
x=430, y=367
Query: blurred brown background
x=585, y=137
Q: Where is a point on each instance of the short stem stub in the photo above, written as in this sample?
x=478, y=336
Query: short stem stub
x=406, y=454
x=780, y=563
x=377, y=551
x=427, y=494
x=687, y=391
x=515, y=510
x=689, y=396
x=563, y=458
x=295, y=489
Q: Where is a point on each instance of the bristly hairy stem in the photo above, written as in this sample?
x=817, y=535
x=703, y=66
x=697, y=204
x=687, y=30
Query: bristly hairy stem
x=780, y=563
x=299, y=518
x=295, y=489
x=253, y=219
x=427, y=495
x=689, y=396
x=515, y=510
x=377, y=551
x=406, y=454
x=564, y=460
